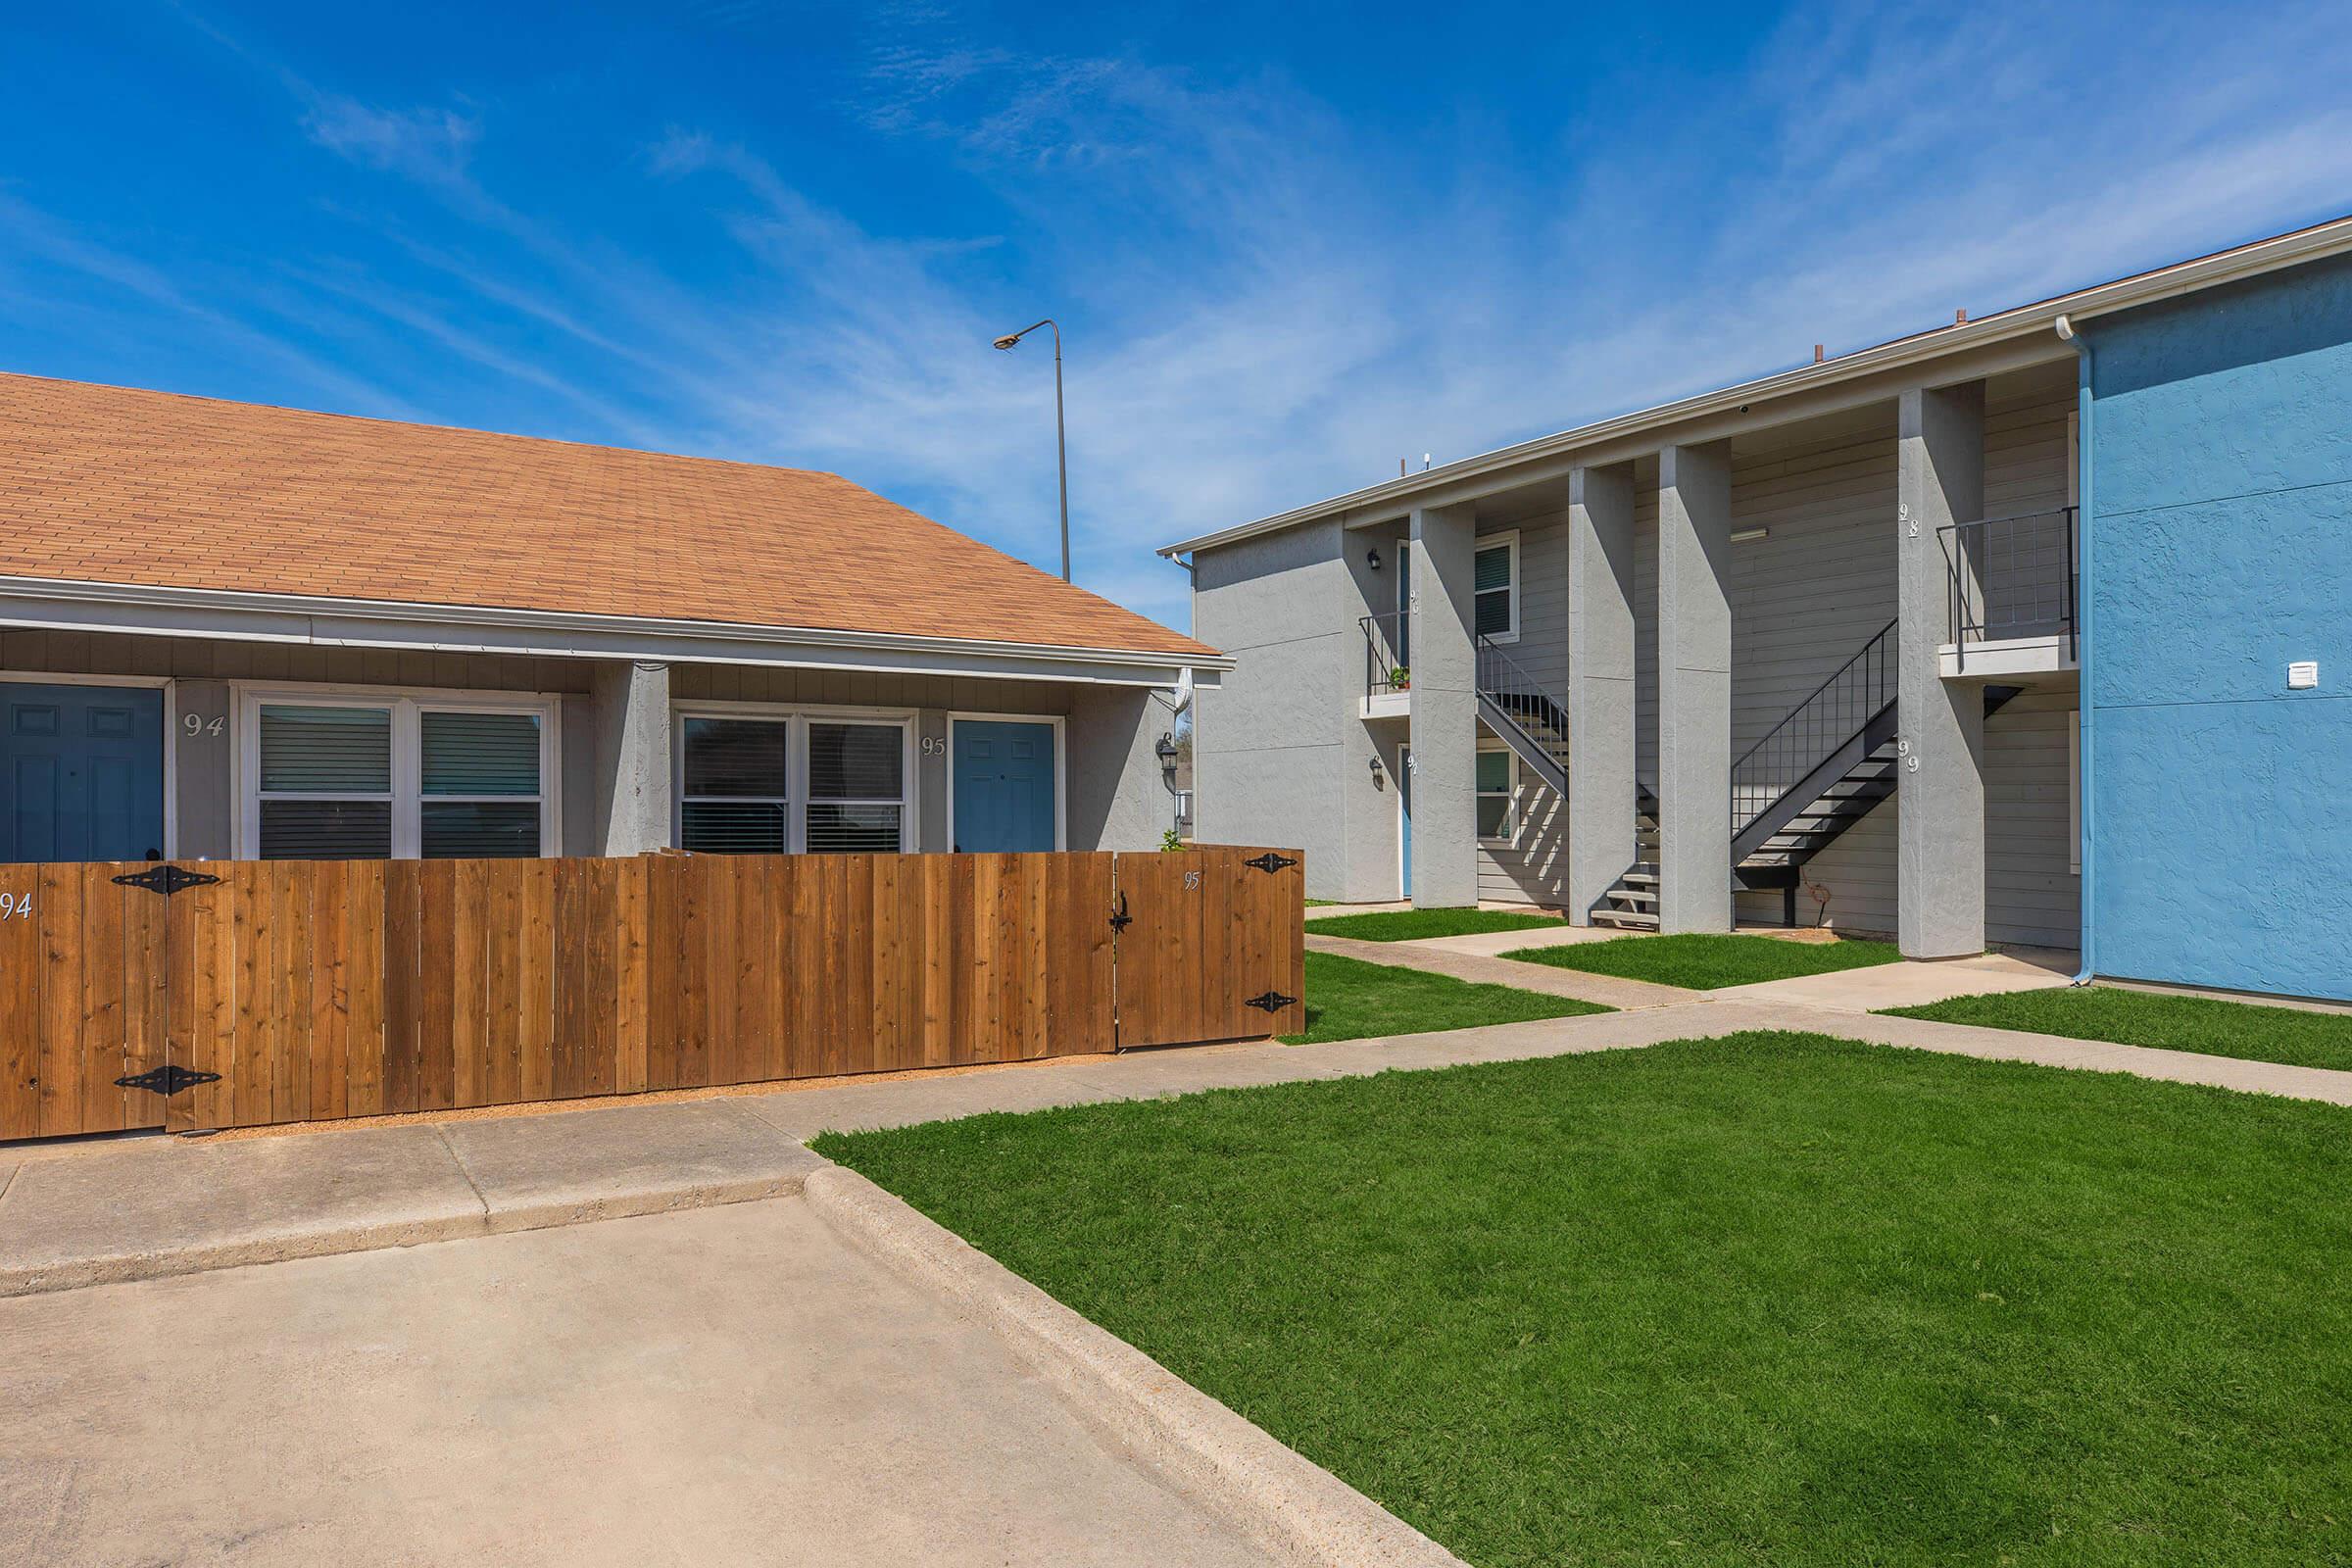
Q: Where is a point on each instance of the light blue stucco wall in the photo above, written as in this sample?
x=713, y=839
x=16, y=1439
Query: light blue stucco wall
x=2217, y=549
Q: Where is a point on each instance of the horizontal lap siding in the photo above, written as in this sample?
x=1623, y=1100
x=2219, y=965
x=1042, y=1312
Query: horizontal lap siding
x=1532, y=868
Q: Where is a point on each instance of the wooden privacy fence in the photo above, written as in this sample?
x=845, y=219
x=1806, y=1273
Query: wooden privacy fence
x=237, y=993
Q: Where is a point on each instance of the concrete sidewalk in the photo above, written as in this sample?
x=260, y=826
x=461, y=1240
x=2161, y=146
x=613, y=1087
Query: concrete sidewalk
x=160, y=1206
x=1440, y=957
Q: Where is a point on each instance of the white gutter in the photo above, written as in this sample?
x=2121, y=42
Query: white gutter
x=138, y=607
x=2023, y=322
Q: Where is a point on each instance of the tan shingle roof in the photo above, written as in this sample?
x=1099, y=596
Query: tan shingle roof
x=112, y=485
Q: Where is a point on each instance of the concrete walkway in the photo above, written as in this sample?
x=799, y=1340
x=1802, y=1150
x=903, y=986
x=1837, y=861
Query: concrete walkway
x=143, y=1209
x=739, y=1385
x=1438, y=957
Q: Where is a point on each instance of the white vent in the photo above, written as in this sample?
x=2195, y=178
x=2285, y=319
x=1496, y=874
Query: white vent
x=2303, y=676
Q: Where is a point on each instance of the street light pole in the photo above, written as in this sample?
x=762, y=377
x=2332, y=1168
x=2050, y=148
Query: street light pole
x=1061, y=443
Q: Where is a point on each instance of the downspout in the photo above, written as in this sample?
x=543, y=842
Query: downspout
x=2086, y=468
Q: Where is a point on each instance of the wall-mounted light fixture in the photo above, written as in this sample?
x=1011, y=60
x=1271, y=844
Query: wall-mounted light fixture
x=1372, y=558
x=1165, y=750
x=1380, y=781
x=1747, y=534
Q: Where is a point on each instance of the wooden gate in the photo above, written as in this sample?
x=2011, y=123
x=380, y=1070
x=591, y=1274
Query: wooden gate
x=81, y=998
x=1214, y=947
x=241, y=993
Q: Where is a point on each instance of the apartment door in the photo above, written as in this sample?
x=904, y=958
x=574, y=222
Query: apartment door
x=81, y=772
x=1003, y=783
x=1404, y=821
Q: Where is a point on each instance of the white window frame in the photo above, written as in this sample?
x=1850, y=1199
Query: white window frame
x=1510, y=793
x=1509, y=538
x=796, y=717
x=1061, y=766
x=407, y=705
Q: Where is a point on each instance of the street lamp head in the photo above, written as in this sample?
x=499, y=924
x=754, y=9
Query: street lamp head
x=1009, y=340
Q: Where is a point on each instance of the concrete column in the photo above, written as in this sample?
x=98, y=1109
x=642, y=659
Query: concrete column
x=1600, y=683
x=632, y=705
x=1444, y=719
x=1941, y=768
x=1695, y=688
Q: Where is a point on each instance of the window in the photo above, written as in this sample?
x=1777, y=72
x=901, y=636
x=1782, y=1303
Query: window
x=1496, y=787
x=1495, y=587
x=790, y=783
x=736, y=795
x=367, y=779
x=326, y=783
x=478, y=783
x=857, y=787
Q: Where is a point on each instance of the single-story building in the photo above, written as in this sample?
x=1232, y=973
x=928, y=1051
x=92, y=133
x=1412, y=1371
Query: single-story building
x=230, y=631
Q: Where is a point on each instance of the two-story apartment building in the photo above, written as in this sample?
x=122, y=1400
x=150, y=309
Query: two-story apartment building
x=2028, y=630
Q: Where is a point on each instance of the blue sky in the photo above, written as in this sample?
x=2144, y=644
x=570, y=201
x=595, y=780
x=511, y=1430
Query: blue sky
x=1289, y=244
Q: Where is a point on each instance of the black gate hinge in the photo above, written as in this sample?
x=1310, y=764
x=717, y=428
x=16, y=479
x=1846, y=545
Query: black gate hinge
x=1121, y=919
x=1270, y=863
x=167, y=879
x=168, y=1079
x=1272, y=1002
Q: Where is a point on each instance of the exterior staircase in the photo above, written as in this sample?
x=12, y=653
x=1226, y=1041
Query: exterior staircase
x=1826, y=765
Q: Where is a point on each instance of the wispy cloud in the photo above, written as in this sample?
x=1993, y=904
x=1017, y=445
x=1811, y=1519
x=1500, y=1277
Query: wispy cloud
x=1267, y=300
x=432, y=145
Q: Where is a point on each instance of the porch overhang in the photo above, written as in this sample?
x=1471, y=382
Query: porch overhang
x=60, y=605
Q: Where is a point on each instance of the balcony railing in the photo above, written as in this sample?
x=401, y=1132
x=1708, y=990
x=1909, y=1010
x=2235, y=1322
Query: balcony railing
x=1387, y=640
x=2012, y=577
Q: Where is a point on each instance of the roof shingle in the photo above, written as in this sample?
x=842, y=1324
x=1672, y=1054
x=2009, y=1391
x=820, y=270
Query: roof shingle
x=108, y=484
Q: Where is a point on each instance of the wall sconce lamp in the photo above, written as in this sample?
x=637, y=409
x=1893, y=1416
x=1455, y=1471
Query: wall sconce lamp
x=1372, y=558
x=1165, y=750
x=1379, y=778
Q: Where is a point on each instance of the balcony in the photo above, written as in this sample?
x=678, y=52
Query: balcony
x=2011, y=597
x=1386, y=675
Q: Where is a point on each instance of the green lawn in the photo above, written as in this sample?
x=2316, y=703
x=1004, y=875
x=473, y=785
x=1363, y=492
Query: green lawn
x=1710, y=963
x=1406, y=925
x=2176, y=1023
x=1770, y=1299
x=1347, y=998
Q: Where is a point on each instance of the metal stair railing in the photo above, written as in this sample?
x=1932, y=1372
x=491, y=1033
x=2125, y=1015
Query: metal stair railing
x=2013, y=576
x=1530, y=720
x=1816, y=729
x=1519, y=695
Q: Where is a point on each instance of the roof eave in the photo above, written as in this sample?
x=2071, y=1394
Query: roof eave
x=140, y=607
x=2245, y=261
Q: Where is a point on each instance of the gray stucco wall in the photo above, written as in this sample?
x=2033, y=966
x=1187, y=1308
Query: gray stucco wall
x=1281, y=753
x=1115, y=799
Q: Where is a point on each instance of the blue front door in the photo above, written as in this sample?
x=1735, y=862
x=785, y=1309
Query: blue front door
x=81, y=772
x=1003, y=786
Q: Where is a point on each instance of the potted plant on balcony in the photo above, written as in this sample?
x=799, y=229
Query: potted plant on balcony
x=1402, y=678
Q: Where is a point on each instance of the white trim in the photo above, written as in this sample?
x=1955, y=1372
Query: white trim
x=1510, y=539
x=77, y=604
x=1510, y=793
x=171, y=691
x=2025, y=322
x=797, y=716
x=1061, y=765
x=407, y=705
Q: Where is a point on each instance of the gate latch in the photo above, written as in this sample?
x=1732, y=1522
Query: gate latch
x=1270, y=863
x=1121, y=919
x=168, y=1079
x=167, y=879
x=1272, y=1002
